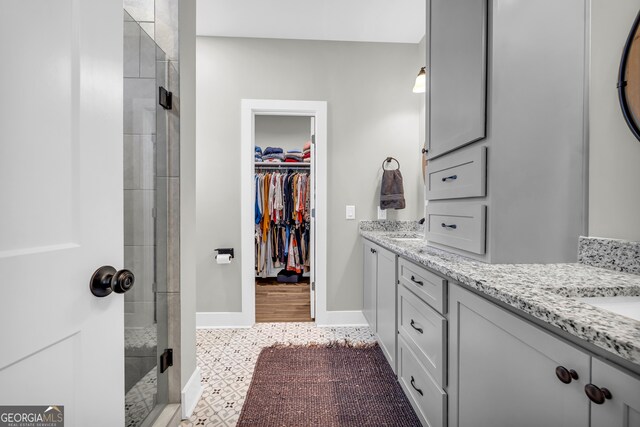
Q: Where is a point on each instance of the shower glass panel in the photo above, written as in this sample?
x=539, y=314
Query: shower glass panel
x=145, y=202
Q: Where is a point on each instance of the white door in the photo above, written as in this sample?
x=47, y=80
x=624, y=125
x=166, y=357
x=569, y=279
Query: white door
x=312, y=233
x=61, y=206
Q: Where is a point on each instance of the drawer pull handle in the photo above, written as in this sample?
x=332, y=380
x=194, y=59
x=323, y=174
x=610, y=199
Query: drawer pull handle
x=566, y=375
x=413, y=384
x=596, y=394
x=452, y=178
x=417, y=282
x=453, y=226
x=413, y=325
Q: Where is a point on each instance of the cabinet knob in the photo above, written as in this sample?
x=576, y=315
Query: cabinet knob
x=450, y=178
x=596, y=394
x=452, y=226
x=566, y=375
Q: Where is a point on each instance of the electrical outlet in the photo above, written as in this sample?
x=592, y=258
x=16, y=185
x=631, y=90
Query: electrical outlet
x=351, y=212
x=382, y=213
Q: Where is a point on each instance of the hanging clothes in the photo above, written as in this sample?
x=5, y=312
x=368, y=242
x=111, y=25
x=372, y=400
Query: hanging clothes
x=282, y=221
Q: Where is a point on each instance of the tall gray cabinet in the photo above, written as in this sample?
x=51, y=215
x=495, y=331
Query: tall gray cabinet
x=506, y=128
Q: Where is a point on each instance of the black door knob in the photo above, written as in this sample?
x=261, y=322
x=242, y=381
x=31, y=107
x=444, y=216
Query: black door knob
x=107, y=279
x=565, y=375
x=596, y=394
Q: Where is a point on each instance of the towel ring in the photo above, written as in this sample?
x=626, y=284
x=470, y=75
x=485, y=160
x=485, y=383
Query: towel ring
x=388, y=160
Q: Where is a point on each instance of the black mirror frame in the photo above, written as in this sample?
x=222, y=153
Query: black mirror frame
x=622, y=83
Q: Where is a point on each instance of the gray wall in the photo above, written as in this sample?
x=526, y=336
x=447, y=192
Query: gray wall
x=372, y=114
x=187, y=189
x=614, y=171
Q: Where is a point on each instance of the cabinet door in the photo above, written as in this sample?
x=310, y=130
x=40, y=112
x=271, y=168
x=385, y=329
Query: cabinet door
x=457, y=74
x=369, y=284
x=502, y=369
x=623, y=409
x=386, y=309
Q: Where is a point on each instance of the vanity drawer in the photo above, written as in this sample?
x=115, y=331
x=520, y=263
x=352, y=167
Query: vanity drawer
x=430, y=287
x=460, y=226
x=458, y=174
x=427, y=398
x=424, y=330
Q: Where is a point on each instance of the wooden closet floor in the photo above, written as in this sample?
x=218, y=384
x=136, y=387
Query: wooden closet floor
x=282, y=302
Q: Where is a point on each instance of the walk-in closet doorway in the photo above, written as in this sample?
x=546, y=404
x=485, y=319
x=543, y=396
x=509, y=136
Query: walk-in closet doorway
x=257, y=259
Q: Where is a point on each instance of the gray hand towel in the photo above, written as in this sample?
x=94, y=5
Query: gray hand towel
x=392, y=190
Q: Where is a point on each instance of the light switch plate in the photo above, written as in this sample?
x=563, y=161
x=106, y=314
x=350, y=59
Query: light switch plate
x=382, y=213
x=351, y=212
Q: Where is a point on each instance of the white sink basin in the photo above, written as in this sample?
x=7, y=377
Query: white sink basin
x=623, y=305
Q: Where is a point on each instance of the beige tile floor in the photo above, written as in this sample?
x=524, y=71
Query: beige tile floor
x=227, y=358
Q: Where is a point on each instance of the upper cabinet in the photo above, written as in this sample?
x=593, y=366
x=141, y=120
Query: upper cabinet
x=507, y=118
x=458, y=62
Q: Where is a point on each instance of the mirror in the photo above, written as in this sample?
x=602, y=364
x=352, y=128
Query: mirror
x=629, y=79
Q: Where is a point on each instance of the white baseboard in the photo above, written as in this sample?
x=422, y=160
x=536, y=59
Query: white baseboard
x=191, y=394
x=343, y=318
x=233, y=319
x=210, y=320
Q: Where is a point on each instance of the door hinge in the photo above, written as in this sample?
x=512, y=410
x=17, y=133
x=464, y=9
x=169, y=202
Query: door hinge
x=313, y=139
x=154, y=213
x=313, y=213
x=154, y=287
x=166, y=360
x=313, y=286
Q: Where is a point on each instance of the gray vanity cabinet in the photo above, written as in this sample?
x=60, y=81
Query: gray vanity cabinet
x=623, y=409
x=386, y=309
x=379, y=297
x=458, y=31
x=502, y=370
x=370, y=284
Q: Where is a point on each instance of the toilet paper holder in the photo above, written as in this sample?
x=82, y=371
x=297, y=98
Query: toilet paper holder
x=225, y=251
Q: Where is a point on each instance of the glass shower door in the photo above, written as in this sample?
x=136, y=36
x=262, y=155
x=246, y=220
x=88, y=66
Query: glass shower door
x=144, y=247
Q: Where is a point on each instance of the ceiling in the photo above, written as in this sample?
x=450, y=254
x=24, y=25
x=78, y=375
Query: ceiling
x=397, y=21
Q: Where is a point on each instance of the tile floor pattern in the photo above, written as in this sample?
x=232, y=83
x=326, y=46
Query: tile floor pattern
x=140, y=400
x=227, y=358
x=140, y=337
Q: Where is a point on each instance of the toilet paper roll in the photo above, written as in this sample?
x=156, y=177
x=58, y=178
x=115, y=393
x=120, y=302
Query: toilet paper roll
x=223, y=259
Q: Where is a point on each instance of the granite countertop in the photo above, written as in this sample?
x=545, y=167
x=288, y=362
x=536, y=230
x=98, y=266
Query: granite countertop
x=545, y=291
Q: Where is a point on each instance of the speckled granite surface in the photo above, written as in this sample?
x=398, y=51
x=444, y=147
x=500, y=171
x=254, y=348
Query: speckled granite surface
x=612, y=254
x=391, y=226
x=544, y=291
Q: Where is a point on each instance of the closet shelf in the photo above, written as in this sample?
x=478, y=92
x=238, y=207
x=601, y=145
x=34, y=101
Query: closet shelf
x=282, y=164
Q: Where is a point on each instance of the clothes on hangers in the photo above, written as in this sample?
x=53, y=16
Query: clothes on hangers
x=282, y=218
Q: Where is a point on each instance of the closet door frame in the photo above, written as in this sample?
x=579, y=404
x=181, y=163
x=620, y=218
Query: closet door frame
x=250, y=108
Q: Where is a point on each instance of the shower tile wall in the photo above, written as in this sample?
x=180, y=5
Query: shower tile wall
x=159, y=19
x=139, y=175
